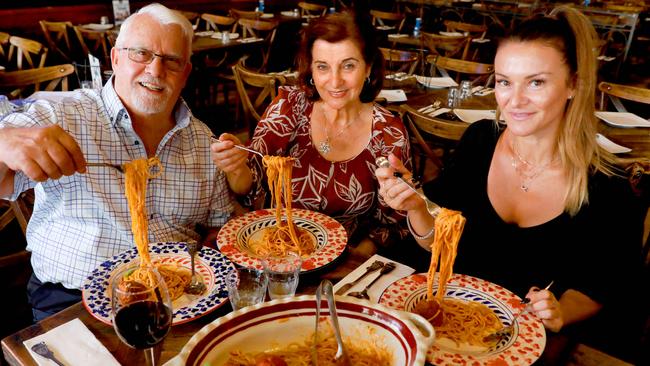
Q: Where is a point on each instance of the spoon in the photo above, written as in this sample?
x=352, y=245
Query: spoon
x=341, y=355
x=371, y=268
x=432, y=208
x=196, y=285
x=364, y=293
x=43, y=350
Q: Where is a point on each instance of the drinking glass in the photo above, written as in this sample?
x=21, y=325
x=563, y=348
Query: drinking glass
x=246, y=287
x=283, y=273
x=225, y=36
x=142, y=313
x=465, y=89
x=452, y=98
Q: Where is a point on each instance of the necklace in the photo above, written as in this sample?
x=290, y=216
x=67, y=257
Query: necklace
x=526, y=170
x=325, y=146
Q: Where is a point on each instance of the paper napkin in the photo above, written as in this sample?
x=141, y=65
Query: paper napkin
x=392, y=95
x=436, y=82
x=73, y=344
x=397, y=35
x=378, y=287
x=610, y=145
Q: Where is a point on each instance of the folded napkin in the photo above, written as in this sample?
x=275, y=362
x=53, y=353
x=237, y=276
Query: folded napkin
x=481, y=40
x=250, y=39
x=436, y=82
x=610, y=145
x=378, y=287
x=622, y=119
x=73, y=344
x=385, y=27
x=397, y=35
x=392, y=95
x=204, y=33
x=451, y=34
x=473, y=115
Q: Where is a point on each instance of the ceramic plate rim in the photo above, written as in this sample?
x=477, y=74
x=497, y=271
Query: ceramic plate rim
x=417, y=283
x=95, y=285
x=336, y=241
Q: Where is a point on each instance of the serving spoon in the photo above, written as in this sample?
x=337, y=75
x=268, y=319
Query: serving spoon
x=341, y=355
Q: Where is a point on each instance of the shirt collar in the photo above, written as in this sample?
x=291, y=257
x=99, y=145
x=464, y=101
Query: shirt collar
x=117, y=112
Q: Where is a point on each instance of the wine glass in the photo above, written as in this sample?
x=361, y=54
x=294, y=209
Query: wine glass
x=142, y=312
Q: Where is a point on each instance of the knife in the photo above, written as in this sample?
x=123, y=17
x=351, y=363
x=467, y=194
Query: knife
x=371, y=268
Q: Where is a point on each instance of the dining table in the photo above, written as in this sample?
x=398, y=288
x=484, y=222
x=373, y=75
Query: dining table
x=15, y=352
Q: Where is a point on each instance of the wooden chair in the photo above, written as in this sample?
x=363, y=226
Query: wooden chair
x=481, y=73
x=388, y=19
x=262, y=29
x=4, y=43
x=431, y=134
x=400, y=60
x=475, y=32
x=219, y=23
x=256, y=90
x=243, y=14
x=95, y=43
x=311, y=10
x=450, y=46
x=33, y=53
x=24, y=82
x=57, y=39
x=616, y=92
x=193, y=17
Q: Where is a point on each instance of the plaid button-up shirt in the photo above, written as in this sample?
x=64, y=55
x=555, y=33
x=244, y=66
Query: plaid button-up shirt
x=82, y=220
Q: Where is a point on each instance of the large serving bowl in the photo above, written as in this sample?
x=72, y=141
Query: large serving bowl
x=266, y=326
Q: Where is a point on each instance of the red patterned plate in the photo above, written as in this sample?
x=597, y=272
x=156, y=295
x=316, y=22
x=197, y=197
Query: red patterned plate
x=522, y=348
x=329, y=234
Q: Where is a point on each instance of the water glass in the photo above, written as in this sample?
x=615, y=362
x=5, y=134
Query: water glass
x=225, y=36
x=246, y=287
x=465, y=89
x=103, y=19
x=283, y=273
x=453, y=98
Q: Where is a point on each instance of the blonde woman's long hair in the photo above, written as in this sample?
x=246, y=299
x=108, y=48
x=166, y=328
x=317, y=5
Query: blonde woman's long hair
x=572, y=34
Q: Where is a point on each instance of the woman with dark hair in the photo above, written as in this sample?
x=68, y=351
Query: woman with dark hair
x=543, y=201
x=334, y=130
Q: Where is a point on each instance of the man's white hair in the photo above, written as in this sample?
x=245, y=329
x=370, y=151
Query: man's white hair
x=164, y=16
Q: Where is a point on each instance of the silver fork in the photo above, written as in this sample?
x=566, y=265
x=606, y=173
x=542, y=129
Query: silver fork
x=432, y=207
x=114, y=166
x=241, y=147
x=43, y=350
x=196, y=285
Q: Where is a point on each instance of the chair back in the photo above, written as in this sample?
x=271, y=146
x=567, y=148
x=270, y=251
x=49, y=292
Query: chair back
x=388, y=19
x=450, y=46
x=261, y=29
x=243, y=14
x=256, y=90
x=29, y=54
x=24, y=82
x=218, y=23
x=616, y=92
x=95, y=43
x=57, y=39
x=311, y=9
x=193, y=17
x=481, y=73
x=4, y=43
x=400, y=60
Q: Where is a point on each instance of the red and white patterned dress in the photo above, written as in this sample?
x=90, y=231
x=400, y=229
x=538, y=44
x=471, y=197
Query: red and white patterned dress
x=345, y=190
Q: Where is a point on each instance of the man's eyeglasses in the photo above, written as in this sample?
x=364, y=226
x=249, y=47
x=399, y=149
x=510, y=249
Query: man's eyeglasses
x=144, y=56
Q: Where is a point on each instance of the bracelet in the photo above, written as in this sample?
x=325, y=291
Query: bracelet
x=415, y=235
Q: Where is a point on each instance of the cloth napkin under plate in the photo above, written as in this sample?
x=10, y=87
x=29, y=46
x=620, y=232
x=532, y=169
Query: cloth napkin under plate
x=378, y=288
x=73, y=344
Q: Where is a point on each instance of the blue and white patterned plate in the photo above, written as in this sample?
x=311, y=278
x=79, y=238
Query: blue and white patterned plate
x=211, y=264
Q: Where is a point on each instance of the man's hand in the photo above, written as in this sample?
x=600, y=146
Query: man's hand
x=41, y=153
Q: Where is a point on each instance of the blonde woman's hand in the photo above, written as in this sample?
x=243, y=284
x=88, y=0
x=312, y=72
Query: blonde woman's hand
x=226, y=156
x=395, y=193
x=544, y=304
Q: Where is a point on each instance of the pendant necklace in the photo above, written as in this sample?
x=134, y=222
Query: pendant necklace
x=526, y=170
x=325, y=146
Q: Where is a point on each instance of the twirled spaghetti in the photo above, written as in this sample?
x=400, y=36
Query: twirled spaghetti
x=448, y=227
x=136, y=173
x=362, y=352
x=285, y=236
x=467, y=322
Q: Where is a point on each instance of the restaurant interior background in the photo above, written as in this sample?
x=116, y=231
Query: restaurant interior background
x=218, y=104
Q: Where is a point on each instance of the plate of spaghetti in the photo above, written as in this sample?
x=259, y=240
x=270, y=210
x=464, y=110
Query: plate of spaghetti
x=471, y=297
x=243, y=239
x=283, y=330
x=173, y=263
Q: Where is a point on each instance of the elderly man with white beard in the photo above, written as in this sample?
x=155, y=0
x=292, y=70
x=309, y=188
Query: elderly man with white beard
x=81, y=216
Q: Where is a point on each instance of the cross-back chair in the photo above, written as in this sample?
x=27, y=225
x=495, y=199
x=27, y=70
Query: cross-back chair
x=475, y=32
x=193, y=17
x=256, y=90
x=4, y=43
x=57, y=39
x=29, y=53
x=388, y=19
x=244, y=14
x=261, y=29
x=400, y=60
x=218, y=23
x=479, y=73
x=431, y=134
x=450, y=46
x=24, y=82
x=95, y=43
x=311, y=10
x=616, y=92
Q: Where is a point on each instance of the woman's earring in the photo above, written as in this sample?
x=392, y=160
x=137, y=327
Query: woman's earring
x=368, y=79
x=311, y=81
